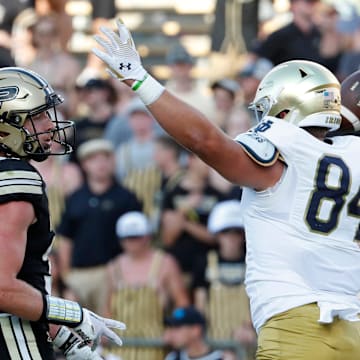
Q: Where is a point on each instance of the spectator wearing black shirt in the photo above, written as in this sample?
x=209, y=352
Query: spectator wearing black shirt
x=5, y=57
x=350, y=60
x=333, y=42
x=298, y=40
x=10, y=9
x=98, y=97
x=167, y=157
x=185, y=213
x=87, y=231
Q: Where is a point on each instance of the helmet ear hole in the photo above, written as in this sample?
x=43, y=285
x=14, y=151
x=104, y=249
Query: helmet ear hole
x=15, y=120
x=28, y=147
x=3, y=134
x=282, y=114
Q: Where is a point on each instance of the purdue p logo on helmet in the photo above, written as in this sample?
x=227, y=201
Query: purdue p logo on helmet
x=301, y=92
x=23, y=95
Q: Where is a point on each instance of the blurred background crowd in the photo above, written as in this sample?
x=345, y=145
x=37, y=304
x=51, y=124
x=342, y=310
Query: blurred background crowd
x=146, y=232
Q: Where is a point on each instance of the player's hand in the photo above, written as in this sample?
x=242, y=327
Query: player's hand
x=120, y=54
x=72, y=347
x=93, y=327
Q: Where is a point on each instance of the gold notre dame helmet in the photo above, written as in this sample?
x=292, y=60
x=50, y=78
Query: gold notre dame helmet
x=301, y=92
x=24, y=94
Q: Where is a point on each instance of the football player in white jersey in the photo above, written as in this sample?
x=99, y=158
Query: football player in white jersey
x=301, y=199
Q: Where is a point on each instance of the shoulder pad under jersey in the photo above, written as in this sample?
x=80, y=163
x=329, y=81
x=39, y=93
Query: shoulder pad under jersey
x=258, y=148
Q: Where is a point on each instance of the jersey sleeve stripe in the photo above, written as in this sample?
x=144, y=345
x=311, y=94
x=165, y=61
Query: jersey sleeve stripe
x=20, y=182
x=20, y=189
x=20, y=174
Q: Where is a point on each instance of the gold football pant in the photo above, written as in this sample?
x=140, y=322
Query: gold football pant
x=297, y=335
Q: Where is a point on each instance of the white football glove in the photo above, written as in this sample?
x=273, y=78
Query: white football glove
x=93, y=327
x=72, y=347
x=120, y=54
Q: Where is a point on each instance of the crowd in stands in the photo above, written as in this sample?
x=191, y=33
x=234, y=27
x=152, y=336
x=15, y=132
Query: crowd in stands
x=147, y=233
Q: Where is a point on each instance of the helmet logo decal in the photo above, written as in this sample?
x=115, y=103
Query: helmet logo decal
x=8, y=93
x=329, y=95
x=303, y=73
x=263, y=126
x=330, y=98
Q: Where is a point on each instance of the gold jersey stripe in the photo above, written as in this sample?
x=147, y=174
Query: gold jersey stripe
x=19, y=174
x=20, y=182
x=20, y=189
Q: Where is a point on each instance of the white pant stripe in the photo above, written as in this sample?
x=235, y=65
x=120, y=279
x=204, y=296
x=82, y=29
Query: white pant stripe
x=20, y=338
x=30, y=341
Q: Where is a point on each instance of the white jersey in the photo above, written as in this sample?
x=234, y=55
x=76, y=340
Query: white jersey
x=300, y=234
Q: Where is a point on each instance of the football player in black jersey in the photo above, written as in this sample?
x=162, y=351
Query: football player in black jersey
x=31, y=320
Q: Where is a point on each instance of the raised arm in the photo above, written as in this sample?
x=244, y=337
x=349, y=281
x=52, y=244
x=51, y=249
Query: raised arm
x=188, y=126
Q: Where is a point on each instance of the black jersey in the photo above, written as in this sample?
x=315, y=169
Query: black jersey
x=20, y=181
